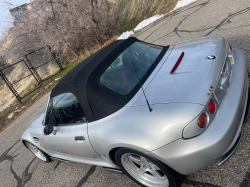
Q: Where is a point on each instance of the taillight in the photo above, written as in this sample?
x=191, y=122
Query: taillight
x=230, y=47
x=202, y=120
x=211, y=106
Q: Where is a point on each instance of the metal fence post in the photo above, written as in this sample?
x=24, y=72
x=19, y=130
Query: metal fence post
x=32, y=69
x=54, y=56
x=10, y=86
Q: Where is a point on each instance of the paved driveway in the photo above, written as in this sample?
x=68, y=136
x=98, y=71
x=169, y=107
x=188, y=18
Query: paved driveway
x=228, y=18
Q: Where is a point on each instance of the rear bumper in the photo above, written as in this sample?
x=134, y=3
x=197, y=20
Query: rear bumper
x=248, y=107
x=190, y=155
x=231, y=151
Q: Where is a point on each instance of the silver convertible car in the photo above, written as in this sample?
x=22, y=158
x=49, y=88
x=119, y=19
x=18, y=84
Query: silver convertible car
x=155, y=113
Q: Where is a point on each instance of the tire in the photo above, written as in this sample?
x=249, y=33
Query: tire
x=146, y=170
x=37, y=152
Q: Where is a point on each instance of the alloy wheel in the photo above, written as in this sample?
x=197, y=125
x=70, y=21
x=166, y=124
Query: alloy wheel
x=36, y=151
x=144, y=171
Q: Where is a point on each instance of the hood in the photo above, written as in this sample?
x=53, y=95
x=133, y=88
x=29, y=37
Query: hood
x=192, y=78
x=38, y=120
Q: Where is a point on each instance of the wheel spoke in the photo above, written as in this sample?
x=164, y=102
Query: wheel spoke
x=156, y=174
x=32, y=146
x=134, y=159
x=143, y=159
x=154, y=171
x=141, y=170
x=154, y=167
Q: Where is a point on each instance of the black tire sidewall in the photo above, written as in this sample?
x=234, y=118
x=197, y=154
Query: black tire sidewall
x=173, y=177
x=45, y=155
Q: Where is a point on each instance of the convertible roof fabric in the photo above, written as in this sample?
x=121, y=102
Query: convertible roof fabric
x=96, y=100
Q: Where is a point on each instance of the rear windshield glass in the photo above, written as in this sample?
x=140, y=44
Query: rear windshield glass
x=120, y=76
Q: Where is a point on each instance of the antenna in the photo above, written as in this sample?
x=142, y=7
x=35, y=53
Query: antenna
x=150, y=109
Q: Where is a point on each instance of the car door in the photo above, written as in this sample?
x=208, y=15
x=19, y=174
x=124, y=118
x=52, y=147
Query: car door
x=66, y=115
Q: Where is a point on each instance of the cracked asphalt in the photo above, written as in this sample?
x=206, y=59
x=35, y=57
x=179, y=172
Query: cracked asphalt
x=228, y=18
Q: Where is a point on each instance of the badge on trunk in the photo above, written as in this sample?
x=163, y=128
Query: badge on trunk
x=210, y=57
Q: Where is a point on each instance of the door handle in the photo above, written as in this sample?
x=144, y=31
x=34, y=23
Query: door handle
x=79, y=139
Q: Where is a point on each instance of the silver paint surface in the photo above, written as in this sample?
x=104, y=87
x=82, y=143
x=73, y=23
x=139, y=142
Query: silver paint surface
x=176, y=101
x=192, y=78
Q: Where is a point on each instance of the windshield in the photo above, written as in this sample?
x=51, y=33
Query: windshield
x=64, y=109
x=120, y=76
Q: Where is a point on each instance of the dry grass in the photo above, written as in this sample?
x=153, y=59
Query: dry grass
x=127, y=14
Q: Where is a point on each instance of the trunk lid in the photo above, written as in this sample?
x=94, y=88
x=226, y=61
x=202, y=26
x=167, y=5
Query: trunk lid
x=193, y=77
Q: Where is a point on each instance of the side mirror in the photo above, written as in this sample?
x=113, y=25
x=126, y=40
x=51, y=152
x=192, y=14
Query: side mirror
x=48, y=129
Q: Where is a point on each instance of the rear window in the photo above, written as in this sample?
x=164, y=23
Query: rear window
x=120, y=76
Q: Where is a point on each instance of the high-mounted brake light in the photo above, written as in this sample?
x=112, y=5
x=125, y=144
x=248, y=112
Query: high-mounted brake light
x=202, y=120
x=211, y=106
x=177, y=63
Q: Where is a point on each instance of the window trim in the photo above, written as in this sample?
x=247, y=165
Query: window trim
x=43, y=122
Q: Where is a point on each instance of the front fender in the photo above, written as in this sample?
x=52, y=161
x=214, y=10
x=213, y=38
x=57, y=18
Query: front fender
x=32, y=135
x=27, y=137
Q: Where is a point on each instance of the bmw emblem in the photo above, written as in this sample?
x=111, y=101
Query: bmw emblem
x=210, y=57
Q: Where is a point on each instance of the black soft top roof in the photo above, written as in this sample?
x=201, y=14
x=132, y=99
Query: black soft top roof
x=96, y=100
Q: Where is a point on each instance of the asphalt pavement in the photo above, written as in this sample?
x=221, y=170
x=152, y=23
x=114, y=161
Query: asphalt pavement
x=228, y=18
